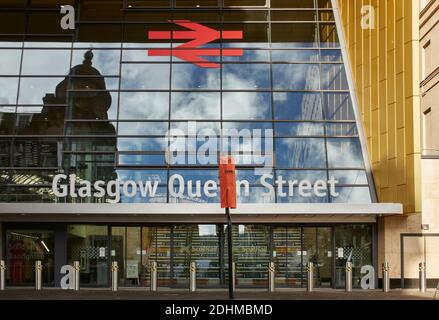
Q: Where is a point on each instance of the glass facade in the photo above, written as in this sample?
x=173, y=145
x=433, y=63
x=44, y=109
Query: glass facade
x=99, y=100
x=84, y=101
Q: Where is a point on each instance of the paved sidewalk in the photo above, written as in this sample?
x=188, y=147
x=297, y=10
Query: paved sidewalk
x=170, y=294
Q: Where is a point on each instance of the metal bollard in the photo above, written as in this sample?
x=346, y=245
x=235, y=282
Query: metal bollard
x=154, y=276
x=348, y=282
x=38, y=275
x=234, y=276
x=310, y=273
x=114, y=276
x=271, y=276
x=422, y=277
x=76, y=277
x=386, y=277
x=193, y=277
x=2, y=274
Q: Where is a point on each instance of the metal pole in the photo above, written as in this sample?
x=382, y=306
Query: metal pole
x=230, y=254
x=193, y=277
x=271, y=275
x=2, y=274
x=310, y=273
x=76, y=277
x=386, y=277
x=114, y=276
x=348, y=282
x=154, y=276
x=422, y=277
x=38, y=274
x=233, y=276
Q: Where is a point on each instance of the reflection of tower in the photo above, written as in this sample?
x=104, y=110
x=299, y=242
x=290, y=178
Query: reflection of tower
x=88, y=105
x=311, y=109
x=84, y=114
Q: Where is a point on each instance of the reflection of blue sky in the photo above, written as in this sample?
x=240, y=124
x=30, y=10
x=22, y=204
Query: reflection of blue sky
x=141, y=144
x=144, y=105
x=33, y=90
x=312, y=175
x=296, y=76
x=8, y=92
x=246, y=76
x=10, y=62
x=142, y=159
x=345, y=153
x=195, y=105
x=46, y=62
x=300, y=152
x=246, y=106
x=297, y=106
x=190, y=76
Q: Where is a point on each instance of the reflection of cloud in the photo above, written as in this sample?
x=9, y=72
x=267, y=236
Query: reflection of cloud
x=106, y=61
x=246, y=106
x=357, y=195
x=144, y=105
x=301, y=153
x=145, y=76
x=296, y=76
x=194, y=105
x=189, y=76
x=344, y=153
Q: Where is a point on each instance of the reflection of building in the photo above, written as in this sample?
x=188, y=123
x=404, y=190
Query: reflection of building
x=295, y=78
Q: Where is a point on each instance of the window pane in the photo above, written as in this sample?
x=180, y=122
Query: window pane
x=250, y=55
x=293, y=15
x=141, y=144
x=105, y=61
x=254, y=35
x=246, y=76
x=35, y=153
x=7, y=120
x=334, y=77
x=328, y=36
x=294, y=35
x=142, y=159
x=195, y=105
x=338, y=106
x=138, y=76
x=34, y=90
x=349, y=176
x=143, y=128
x=295, y=55
x=292, y=3
x=297, y=106
x=342, y=129
x=190, y=76
x=8, y=93
x=300, y=153
x=144, y=105
x=357, y=195
x=143, y=175
x=294, y=129
x=10, y=62
x=331, y=56
x=246, y=106
x=345, y=153
x=196, y=3
x=296, y=76
x=46, y=62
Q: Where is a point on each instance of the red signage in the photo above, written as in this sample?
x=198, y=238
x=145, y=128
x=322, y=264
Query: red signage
x=227, y=182
x=199, y=36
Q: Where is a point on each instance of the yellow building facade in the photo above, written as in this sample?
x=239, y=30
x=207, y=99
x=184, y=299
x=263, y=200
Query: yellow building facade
x=383, y=44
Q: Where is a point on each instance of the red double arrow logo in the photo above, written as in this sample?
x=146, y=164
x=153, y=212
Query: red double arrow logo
x=199, y=36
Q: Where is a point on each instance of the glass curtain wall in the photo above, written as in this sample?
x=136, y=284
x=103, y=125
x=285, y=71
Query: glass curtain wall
x=83, y=100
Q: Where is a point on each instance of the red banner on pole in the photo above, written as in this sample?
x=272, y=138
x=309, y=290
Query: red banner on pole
x=227, y=175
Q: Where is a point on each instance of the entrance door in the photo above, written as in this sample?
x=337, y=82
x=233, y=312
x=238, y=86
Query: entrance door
x=317, y=248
